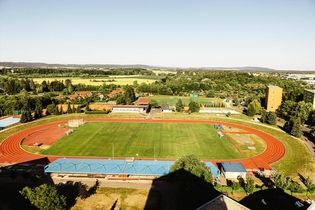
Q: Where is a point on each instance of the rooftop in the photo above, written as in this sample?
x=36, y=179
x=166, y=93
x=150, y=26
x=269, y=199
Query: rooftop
x=5, y=122
x=273, y=86
x=222, y=202
x=233, y=167
x=143, y=101
x=101, y=166
x=312, y=91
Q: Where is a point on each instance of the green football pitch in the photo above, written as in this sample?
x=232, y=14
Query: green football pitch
x=149, y=140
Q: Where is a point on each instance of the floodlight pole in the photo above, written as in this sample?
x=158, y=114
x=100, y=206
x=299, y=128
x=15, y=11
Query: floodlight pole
x=113, y=150
x=154, y=151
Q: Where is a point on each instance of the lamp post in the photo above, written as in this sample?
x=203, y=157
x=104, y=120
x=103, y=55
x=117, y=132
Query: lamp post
x=113, y=151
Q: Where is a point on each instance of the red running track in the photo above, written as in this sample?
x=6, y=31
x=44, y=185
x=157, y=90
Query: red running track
x=12, y=153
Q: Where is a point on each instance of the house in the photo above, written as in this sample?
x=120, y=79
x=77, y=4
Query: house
x=222, y=202
x=80, y=95
x=233, y=170
x=143, y=101
x=100, y=96
x=115, y=92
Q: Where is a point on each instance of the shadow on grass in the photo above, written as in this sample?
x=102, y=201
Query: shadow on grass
x=267, y=182
x=73, y=190
x=272, y=199
x=14, y=178
x=179, y=190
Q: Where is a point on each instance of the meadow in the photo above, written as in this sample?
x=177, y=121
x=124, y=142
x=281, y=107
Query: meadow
x=147, y=140
x=172, y=100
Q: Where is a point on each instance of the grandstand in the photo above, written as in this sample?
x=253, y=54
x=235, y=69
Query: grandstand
x=73, y=166
x=8, y=121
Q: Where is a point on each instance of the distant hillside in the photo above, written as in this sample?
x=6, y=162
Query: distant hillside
x=74, y=66
x=107, y=66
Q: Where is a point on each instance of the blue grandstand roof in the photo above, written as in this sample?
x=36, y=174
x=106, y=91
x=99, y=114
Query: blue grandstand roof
x=233, y=167
x=103, y=166
x=100, y=166
x=8, y=121
x=214, y=170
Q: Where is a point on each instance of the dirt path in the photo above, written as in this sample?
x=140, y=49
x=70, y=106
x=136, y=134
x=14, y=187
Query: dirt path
x=12, y=153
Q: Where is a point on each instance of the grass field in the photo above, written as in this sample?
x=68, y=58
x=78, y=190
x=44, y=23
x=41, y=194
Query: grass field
x=171, y=100
x=117, y=80
x=170, y=140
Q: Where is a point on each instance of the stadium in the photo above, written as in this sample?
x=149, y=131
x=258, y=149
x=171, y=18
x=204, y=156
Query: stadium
x=140, y=147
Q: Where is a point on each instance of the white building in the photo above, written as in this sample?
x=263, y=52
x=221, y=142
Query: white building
x=233, y=170
x=129, y=109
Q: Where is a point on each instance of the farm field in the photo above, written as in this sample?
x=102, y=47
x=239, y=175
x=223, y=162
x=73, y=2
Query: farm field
x=117, y=80
x=171, y=100
x=170, y=140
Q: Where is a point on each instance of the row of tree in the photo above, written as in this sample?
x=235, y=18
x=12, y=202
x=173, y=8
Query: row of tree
x=53, y=72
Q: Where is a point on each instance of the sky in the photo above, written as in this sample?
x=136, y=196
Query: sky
x=277, y=34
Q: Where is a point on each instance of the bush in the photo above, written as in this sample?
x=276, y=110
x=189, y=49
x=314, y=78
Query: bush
x=194, y=107
x=44, y=197
x=98, y=112
x=193, y=165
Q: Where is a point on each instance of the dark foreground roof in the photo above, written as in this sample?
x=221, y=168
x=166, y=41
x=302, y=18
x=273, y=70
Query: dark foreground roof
x=222, y=202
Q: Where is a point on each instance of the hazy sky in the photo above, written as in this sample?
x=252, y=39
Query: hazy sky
x=269, y=33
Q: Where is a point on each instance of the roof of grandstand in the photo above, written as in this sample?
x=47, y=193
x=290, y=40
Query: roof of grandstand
x=5, y=122
x=103, y=166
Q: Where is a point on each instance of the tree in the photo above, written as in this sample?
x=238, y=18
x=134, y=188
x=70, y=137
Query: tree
x=303, y=111
x=61, y=109
x=254, y=107
x=296, y=128
x=130, y=95
x=193, y=165
x=293, y=127
x=210, y=94
x=194, y=106
x=26, y=113
x=51, y=109
x=310, y=186
x=179, y=105
x=121, y=99
x=38, y=110
x=44, y=197
x=249, y=185
x=263, y=117
x=311, y=118
x=154, y=103
x=295, y=187
x=234, y=185
x=23, y=117
x=74, y=110
x=87, y=108
x=69, y=109
x=44, y=86
x=281, y=181
x=271, y=118
x=78, y=109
